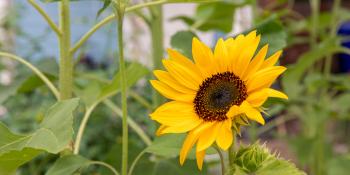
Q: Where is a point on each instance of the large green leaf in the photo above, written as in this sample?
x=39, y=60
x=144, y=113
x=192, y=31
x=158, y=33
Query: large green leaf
x=53, y=135
x=67, y=165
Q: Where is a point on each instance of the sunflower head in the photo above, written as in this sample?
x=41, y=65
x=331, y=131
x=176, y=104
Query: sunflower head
x=218, y=91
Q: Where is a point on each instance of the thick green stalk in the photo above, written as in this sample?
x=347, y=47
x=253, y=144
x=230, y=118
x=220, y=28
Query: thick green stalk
x=120, y=17
x=66, y=62
x=157, y=45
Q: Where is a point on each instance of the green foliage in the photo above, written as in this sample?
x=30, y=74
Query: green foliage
x=182, y=41
x=257, y=159
x=272, y=33
x=339, y=165
x=67, y=165
x=53, y=135
x=217, y=16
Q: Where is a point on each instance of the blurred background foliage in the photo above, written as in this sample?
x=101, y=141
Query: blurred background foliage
x=311, y=129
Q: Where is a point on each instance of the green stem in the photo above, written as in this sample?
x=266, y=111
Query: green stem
x=157, y=46
x=140, y=99
x=134, y=163
x=222, y=160
x=133, y=125
x=120, y=9
x=333, y=33
x=66, y=62
x=232, y=154
x=115, y=172
x=315, y=10
x=46, y=17
x=35, y=70
x=82, y=128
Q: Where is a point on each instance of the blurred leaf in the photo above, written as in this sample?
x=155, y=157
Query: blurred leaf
x=10, y=90
x=53, y=135
x=186, y=19
x=217, y=16
x=340, y=105
x=106, y=3
x=67, y=165
x=168, y=145
x=135, y=71
x=182, y=41
x=339, y=165
x=33, y=82
x=272, y=33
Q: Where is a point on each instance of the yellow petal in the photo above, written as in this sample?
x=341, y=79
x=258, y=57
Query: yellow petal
x=246, y=55
x=190, y=140
x=221, y=56
x=207, y=138
x=171, y=93
x=276, y=93
x=174, y=118
x=224, y=138
x=272, y=60
x=203, y=57
x=234, y=50
x=182, y=127
x=233, y=111
x=175, y=106
x=160, y=130
x=258, y=98
x=252, y=113
x=255, y=63
x=166, y=78
x=183, y=75
x=184, y=61
x=200, y=158
x=264, y=77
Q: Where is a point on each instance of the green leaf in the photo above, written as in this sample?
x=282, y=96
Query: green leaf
x=168, y=145
x=217, y=16
x=272, y=33
x=33, y=82
x=135, y=71
x=182, y=41
x=338, y=105
x=53, y=135
x=67, y=165
x=339, y=165
x=106, y=3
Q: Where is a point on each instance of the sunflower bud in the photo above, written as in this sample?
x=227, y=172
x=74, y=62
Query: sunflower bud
x=250, y=159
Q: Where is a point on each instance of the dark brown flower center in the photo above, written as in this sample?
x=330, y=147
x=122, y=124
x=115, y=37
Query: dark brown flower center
x=217, y=94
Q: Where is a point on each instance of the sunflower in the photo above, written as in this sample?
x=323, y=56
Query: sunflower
x=210, y=96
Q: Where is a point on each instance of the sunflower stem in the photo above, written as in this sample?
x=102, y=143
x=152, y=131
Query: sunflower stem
x=119, y=8
x=222, y=160
x=157, y=45
x=66, y=62
x=232, y=154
